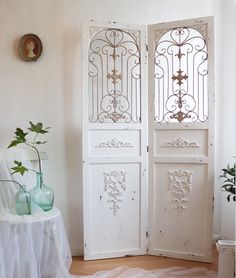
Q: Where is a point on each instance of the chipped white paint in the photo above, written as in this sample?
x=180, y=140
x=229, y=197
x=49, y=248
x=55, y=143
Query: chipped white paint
x=115, y=185
x=115, y=143
x=180, y=182
x=180, y=143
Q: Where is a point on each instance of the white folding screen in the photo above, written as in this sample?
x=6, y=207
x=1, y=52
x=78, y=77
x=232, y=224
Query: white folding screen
x=119, y=219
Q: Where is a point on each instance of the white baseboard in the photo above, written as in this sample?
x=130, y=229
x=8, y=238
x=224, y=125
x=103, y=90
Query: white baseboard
x=76, y=250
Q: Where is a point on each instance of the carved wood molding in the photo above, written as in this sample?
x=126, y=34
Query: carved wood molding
x=115, y=143
x=115, y=185
x=180, y=182
x=181, y=143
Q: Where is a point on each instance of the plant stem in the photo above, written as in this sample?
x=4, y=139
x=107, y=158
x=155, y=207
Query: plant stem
x=35, y=138
x=39, y=161
x=16, y=183
x=38, y=155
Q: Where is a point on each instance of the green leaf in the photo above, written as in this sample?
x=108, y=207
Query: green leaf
x=20, y=133
x=39, y=142
x=225, y=186
x=19, y=138
x=13, y=143
x=38, y=128
x=229, y=185
x=18, y=163
x=19, y=168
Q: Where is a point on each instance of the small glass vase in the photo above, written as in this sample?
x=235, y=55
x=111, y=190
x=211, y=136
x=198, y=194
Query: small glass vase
x=42, y=195
x=23, y=202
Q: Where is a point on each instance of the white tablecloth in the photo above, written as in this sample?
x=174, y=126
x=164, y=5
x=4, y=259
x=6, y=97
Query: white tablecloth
x=34, y=246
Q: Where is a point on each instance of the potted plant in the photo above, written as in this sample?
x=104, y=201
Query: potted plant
x=228, y=185
x=42, y=195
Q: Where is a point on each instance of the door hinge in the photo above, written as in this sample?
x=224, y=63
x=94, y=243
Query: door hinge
x=146, y=234
x=213, y=204
x=147, y=149
x=146, y=47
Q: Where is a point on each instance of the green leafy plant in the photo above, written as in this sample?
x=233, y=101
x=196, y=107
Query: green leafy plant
x=229, y=181
x=30, y=139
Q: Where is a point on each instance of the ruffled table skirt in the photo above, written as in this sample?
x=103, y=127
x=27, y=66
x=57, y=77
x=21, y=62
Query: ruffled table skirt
x=34, y=246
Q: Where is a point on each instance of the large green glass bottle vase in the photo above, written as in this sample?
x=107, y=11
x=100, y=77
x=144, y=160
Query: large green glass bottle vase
x=42, y=195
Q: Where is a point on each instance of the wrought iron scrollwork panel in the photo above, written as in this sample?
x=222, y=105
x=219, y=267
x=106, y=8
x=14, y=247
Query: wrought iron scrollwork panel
x=180, y=73
x=114, y=76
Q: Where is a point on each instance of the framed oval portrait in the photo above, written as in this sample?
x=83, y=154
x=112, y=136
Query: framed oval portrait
x=30, y=47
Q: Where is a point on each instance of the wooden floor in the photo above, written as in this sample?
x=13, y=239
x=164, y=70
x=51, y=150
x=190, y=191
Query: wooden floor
x=81, y=267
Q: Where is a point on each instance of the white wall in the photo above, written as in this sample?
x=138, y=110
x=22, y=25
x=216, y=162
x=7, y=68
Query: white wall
x=227, y=110
x=49, y=90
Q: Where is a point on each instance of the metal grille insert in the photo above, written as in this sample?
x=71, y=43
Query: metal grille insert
x=180, y=73
x=114, y=76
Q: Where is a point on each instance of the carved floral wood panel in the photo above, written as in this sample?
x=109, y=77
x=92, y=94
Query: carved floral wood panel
x=115, y=185
x=180, y=182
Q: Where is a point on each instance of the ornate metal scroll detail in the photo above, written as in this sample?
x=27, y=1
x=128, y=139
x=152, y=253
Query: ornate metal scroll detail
x=180, y=72
x=115, y=143
x=180, y=143
x=115, y=185
x=114, y=76
x=180, y=182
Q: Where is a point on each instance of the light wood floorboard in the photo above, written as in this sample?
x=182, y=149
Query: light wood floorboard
x=81, y=267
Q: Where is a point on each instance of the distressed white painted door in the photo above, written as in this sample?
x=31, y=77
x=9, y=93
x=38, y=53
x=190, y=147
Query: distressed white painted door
x=114, y=140
x=181, y=124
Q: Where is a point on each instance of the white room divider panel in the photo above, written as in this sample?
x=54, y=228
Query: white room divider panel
x=114, y=141
x=119, y=218
x=181, y=139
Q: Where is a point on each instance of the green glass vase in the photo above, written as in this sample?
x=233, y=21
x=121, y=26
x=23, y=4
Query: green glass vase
x=23, y=202
x=42, y=195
